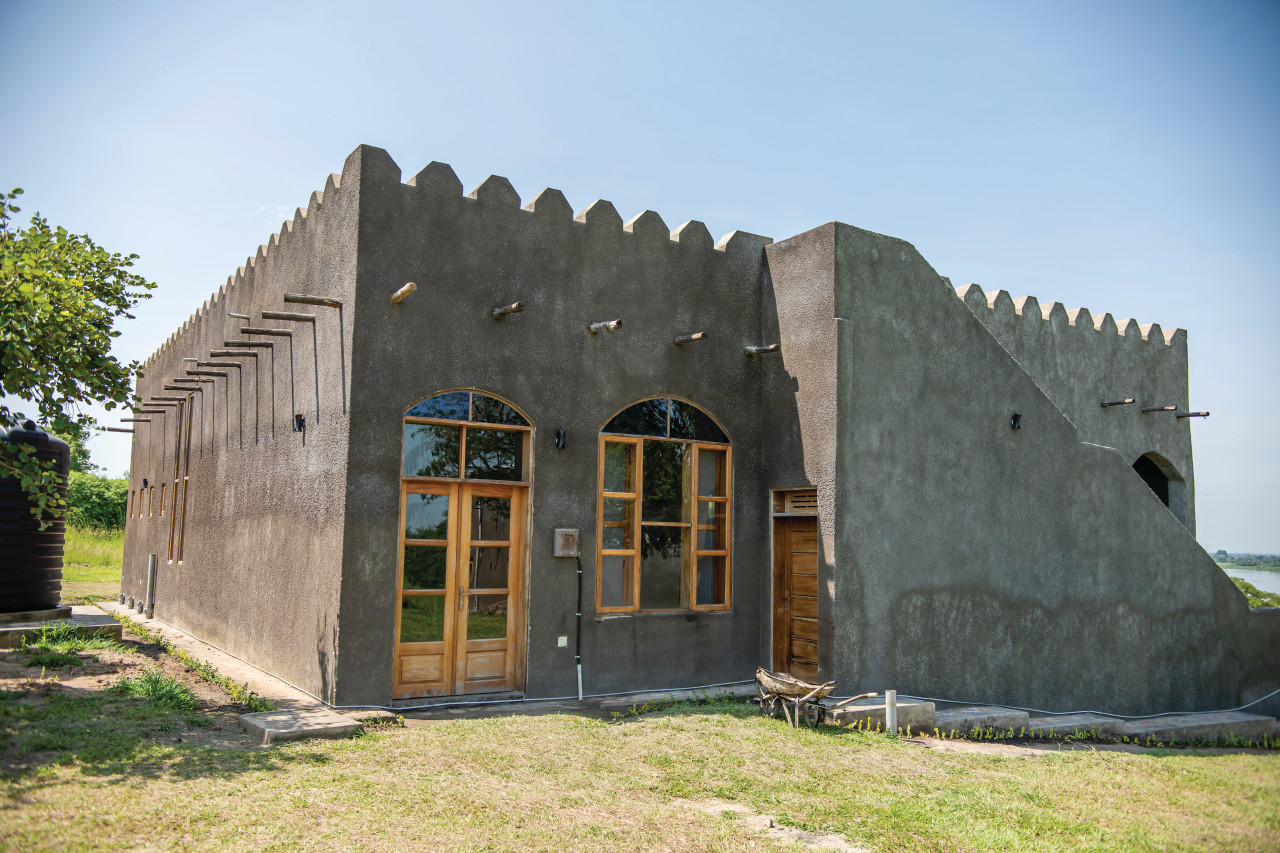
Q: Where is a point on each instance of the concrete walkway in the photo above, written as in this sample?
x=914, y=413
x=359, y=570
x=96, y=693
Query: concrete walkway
x=263, y=683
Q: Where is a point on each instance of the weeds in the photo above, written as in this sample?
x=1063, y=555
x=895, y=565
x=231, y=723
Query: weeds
x=55, y=660
x=158, y=688
x=67, y=638
x=238, y=692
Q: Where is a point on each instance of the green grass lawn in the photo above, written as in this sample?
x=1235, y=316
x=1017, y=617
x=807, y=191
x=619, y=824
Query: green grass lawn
x=562, y=782
x=92, y=561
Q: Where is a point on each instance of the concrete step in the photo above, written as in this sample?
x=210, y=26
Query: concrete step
x=88, y=622
x=1217, y=726
x=961, y=721
x=870, y=714
x=1064, y=725
x=270, y=727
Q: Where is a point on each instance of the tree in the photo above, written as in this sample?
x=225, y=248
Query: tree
x=60, y=295
x=79, y=455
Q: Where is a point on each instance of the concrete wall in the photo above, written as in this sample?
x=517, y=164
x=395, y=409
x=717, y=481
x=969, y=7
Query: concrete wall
x=981, y=563
x=471, y=253
x=264, y=517
x=1081, y=361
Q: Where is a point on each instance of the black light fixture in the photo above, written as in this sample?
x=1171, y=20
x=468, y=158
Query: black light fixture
x=559, y=439
x=1016, y=421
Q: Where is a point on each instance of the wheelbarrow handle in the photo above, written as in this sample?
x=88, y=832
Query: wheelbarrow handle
x=844, y=702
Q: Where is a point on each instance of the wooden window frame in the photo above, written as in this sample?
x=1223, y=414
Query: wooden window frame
x=689, y=561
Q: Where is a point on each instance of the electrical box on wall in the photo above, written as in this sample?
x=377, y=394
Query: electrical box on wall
x=565, y=542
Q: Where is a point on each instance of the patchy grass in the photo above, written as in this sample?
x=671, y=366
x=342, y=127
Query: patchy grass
x=238, y=692
x=572, y=783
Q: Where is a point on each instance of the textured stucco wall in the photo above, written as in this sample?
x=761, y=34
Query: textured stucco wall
x=1023, y=567
x=1081, y=361
x=469, y=254
x=797, y=443
x=262, y=556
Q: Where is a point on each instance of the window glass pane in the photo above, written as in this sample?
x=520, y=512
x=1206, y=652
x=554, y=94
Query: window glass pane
x=618, y=533
x=426, y=516
x=449, y=406
x=711, y=580
x=494, y=454
x=646, y=418
x=666, y=481
x=691, y=422
x=711, y=540
x=422, y=619
x=615, y=581
x=661, y=568
x=710, y=513
x=431, y=450
x=424, y=566
x=490, y=411
x=488, y=568
x=711, y=472
x=486, y=617
x=490, y=519
x=619, y=467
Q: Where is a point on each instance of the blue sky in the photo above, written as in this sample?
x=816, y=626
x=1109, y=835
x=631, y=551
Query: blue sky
x=1119, y=156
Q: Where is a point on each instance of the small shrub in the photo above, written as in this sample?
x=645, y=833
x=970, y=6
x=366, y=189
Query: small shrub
x=158, y=689
x=96, y=502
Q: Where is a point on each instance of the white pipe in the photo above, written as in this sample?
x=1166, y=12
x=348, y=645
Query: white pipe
x=891, y=711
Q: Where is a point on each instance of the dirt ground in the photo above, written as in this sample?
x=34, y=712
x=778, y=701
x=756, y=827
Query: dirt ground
x=102, y=668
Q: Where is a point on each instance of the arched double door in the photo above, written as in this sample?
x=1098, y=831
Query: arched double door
x=463, y=524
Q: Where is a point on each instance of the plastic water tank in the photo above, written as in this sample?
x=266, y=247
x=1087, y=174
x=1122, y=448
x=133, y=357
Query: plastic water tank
x=30, y=558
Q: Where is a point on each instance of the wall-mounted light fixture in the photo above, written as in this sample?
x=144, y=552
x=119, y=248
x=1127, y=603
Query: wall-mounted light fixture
x=559, y=439
x=1016, y=421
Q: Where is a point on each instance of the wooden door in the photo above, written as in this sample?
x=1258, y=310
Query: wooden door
x=458, y=627
x=795, y=597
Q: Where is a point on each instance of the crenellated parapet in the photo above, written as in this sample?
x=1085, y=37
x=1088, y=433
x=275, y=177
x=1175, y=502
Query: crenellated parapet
x=436, y=185
x=292, y=231
x=996, y=308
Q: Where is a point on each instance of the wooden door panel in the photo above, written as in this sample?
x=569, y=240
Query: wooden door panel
x=418, y=669
x=804, y=670
x=481, y=666
x=803, y=607
x=458, y=665
x=806, y=628
x=806, y=585
x=802, y=649
x=796, y=597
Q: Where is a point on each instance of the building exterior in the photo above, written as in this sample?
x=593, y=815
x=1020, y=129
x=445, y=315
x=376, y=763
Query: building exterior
x=814, y=455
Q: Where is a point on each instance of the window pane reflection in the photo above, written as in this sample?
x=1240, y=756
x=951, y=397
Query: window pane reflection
x=711, y=580
x=488, y=567
x=692, y=423
x=615, y=581
x=710, y=473
x=424, y=566
x=645, y=418
x=660, y=568
x=422, y=619
x=449, y=406
x=491, y=519
x=486, y=617
x=490, y=411
x=494, y=454
x=619, y=467
x=431, y=450
x=666, y=482
x=426, y=516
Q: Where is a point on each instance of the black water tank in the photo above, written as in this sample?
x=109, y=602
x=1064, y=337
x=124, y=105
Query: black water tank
x=31, y=558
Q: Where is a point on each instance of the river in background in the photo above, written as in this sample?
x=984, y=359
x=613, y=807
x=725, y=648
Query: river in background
x=1261, y=578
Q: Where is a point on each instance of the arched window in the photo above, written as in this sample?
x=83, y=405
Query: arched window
x=1163, y=478
x=665, y=472
x=471, y=450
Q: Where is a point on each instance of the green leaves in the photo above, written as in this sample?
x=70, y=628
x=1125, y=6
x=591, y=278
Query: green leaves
x=60, y=295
